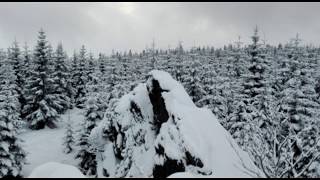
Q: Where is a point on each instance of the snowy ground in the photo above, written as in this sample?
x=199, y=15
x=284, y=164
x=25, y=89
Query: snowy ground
x=56, y=170
x=46, y=145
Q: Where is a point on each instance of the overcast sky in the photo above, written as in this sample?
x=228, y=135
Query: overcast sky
x=120, y=26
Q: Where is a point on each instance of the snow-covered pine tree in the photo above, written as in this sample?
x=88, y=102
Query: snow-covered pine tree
x=212, y=99
x=252, y=94
x=3, y=56
x=238, y=70
x=223, y=89
x=267, y=96
x=193, y=84
x=86, y=153
x=287, y=147
x=254, y=84
x=153, y=57
x=102, y=65
x=238, y=55
x=41, y=102
x=74, y=75
x=90, y=66
x=26, y=71
x=26, y=56
x=262, y=103
x=238, y=124
x=69, y=140
x=177, y=65
x=98, y=89
x=234, y=79
x=283, y=72
x=51, y=55
x=15, y=57
x=300, y=105
x=12, y=156
x=8, y=83
x=61, y=77
x=81, y=79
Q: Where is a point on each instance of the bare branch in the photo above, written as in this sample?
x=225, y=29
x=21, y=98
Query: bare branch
x=307, y=166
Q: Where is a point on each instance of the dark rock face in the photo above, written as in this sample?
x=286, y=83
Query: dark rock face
x=169, y=167
x=158, y=105
x=161, y=116
x=105, y=173
x=136, y=111
x=119, y=147
x=191, y=160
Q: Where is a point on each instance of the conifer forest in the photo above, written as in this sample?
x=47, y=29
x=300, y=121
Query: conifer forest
x=245, y=109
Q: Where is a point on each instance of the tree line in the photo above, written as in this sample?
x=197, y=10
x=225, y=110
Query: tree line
x=266, y=96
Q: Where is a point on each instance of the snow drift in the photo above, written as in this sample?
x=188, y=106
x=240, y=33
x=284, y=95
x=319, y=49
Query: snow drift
x=56, y=170
x=156, y=130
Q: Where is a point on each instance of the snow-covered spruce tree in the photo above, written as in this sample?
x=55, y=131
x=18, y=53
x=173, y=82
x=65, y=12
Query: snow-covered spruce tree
x=69, y=140
x=224, y=90
x=317, y=73
x=61, y=77
x=259, y=97
x=102, y=63
x=255, y=82
x=213, y=98
x=267, y=96
x=81, y=79
x=238, y=55
x=97, y=89
x=267, y=145
x=221, y=96
x=239, y=124
x=90, y=67
x=41, y=101
x=86, y=154
x=283, y=72
x=12, y=156
x=177, y=62
x=15, y=57
x=207, y=75
x=193, y=84
x=26, y=71
x=300, y=106
x=26, y=56
x=74, y=75
x=8, y=82
x=51, y=63
x=265, y=137
x=254, y=87
x=287, y=147
x=97, y=86
x=238, y=70
x=3, y=56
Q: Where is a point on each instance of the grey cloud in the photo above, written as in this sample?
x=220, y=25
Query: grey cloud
x=107, y=26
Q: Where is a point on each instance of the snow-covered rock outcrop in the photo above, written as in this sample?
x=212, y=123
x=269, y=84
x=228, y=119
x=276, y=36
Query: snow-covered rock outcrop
x=156, y=131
